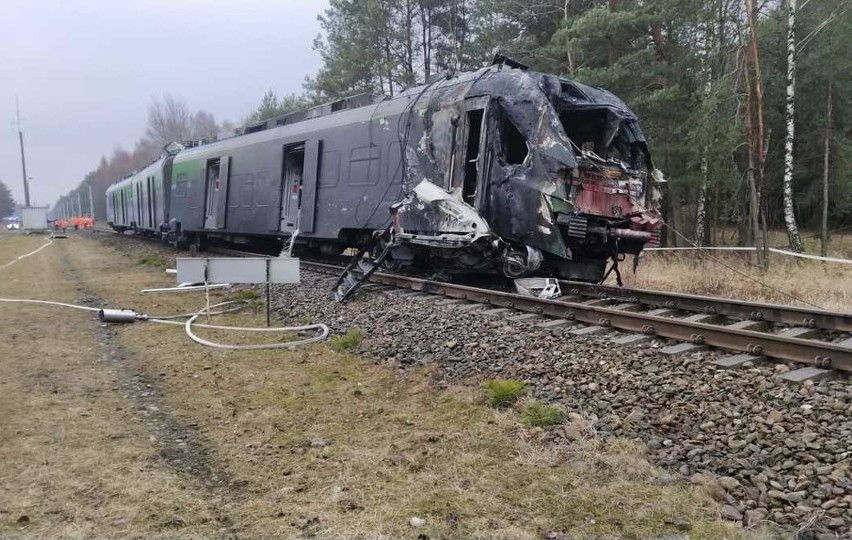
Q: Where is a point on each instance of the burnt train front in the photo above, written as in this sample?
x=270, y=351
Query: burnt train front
x=527, y=174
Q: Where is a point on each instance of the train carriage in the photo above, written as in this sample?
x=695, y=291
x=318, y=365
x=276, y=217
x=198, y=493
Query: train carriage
x=500, y=170
x=140, y=201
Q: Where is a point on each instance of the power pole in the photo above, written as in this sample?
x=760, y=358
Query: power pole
x=23, y=159
x=91, y=203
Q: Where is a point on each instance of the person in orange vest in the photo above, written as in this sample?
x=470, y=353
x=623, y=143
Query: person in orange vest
x=62, y=224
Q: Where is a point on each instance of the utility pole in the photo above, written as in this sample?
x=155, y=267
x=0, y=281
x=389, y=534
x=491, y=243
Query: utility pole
x=91, y=203
x=23, y=159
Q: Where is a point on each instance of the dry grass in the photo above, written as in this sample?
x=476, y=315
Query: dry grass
x=734, y=275
x=75, y=458
x=314, y=442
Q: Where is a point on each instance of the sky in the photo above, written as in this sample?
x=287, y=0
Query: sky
x=85, y=71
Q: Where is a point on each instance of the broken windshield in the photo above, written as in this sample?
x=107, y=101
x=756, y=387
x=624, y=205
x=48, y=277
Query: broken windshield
x=606, y=140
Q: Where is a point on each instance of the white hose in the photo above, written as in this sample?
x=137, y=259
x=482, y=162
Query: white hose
x=48, y=241
x=189, y=323
x=48, y=302
x=324, y=331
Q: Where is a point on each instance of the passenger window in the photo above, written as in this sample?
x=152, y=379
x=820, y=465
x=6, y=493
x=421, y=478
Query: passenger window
x=394, y=166
x=364, y=166
x=514, y=145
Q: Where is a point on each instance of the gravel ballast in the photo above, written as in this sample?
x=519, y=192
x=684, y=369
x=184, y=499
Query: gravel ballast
x=774, y=451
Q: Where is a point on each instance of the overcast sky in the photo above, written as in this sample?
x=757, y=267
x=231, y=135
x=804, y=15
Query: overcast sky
x=85, y=72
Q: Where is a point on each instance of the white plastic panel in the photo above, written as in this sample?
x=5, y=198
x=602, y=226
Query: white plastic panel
x=238, y=270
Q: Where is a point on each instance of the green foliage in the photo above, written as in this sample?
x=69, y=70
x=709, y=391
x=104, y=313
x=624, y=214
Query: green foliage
x=538, y=414
x=504, y=392
x=677, y=63
x=270, y=106
x=347, y=341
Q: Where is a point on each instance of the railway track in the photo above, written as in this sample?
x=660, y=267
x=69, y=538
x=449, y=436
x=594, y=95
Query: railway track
x=748, y=329
x=694, y=320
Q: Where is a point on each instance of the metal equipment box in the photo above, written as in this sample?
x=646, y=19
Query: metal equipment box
x=34, y=218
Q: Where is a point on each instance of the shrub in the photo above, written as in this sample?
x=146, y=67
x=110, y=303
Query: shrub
x=541, y=415
x=347, y=341
x=245, y=295
x=153, y=260
x=504, y=392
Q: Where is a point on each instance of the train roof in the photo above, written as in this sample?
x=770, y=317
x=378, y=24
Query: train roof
x=510, y=80
x=154, y=165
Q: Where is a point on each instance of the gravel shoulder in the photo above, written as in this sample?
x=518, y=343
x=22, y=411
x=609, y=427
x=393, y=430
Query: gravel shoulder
x=769, y=453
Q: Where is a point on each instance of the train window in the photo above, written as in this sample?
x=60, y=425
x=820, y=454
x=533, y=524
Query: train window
x=180, y=185
x=247, y=191
x=329, y=168
x=513, y=143
x=395, y=172
x=471, y=159
x=364, y=166
x=587, y=129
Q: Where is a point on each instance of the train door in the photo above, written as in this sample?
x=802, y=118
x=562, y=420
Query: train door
x=150, y=194
x=298, y=186
x=469, y=177
x=216, y=192
x=123, y=208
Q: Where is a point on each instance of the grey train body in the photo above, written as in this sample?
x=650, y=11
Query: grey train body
x=500, y=170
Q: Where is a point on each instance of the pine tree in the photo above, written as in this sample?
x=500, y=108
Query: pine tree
x=7, y=202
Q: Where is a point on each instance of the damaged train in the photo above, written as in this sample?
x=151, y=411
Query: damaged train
x=501, y=170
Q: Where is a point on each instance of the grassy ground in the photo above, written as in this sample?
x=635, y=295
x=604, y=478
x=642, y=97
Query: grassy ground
x=734, y=275
x=299, y=443
x=76, y=460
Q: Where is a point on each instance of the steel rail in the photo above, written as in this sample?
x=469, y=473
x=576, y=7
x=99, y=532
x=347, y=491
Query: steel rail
x=806, y=351
x=742, y=309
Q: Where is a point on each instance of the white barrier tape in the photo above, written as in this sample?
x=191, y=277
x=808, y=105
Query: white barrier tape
x=813, y=257
x=752, y=248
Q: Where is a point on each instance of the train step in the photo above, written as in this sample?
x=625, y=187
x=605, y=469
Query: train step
x=359, y=269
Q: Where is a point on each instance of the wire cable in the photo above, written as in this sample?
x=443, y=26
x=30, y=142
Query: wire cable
x=236, y=305
x=740, y=272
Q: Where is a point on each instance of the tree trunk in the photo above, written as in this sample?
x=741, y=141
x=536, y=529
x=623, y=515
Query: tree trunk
x=825, y=168
x=388, y=65
x=754, y=130
x=789, y=117
x=701, y=206
x=570, y=54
